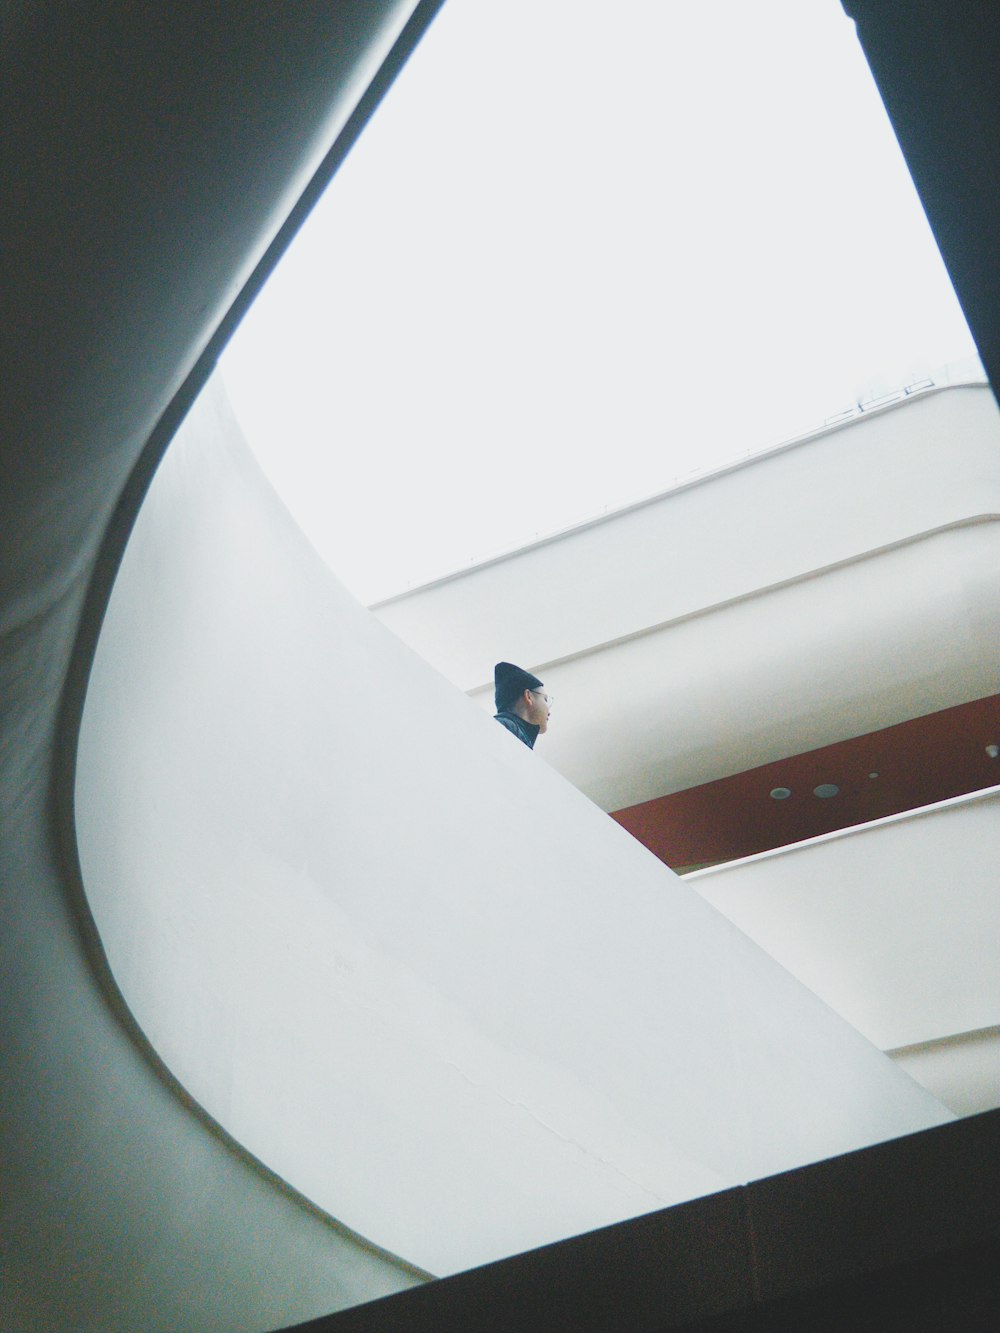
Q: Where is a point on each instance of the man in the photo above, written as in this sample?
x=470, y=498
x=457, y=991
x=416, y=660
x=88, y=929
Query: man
x=523, y=707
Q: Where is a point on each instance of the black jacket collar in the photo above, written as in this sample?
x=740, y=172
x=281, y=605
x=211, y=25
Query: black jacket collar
x=524, y=731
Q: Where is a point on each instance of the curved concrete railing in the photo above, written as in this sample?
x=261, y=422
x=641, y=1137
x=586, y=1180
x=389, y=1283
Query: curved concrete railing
x=770, y=608
x=154, y=165
x=895, y=924
x=394, y=954
x=930, y=464
x=855, y=648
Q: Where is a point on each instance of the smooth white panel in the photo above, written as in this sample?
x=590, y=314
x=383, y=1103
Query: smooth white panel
x=394, y=952
x=896, y=924
x=963, y=1072
x=835, y=586
x=833, y=496
x=854, y=650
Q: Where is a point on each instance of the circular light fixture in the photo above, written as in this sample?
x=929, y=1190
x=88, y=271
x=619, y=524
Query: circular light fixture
x=825, y=790
x=873, y=775
x=780, y=793
x=993, y=751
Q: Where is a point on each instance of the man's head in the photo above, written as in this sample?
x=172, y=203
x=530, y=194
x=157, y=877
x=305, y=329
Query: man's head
x=535, y=706
x=518, y=691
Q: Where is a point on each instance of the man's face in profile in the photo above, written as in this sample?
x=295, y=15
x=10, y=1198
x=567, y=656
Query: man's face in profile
x=539, y=709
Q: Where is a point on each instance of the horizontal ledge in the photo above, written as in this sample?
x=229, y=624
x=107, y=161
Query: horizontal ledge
x=739, y=599
x=700, y=479
x=942, y=1043
x=984, y=795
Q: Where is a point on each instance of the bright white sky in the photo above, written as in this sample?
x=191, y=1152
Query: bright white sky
x=581, y=251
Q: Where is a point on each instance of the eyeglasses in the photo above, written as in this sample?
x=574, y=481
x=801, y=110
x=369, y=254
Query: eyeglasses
x=541, y=693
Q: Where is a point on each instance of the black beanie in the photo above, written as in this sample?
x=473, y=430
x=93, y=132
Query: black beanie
x=509, y=681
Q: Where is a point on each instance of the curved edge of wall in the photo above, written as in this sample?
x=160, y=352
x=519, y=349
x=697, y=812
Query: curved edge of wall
x=122, y=1208
x=894, y=923
x=393, y=952
x=961, y=1070
x=800, y=609
x=767, y=522
x=793, y=669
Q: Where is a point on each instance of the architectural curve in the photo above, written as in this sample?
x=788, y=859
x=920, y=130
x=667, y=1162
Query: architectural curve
x=130, y=230
x=137, y=230
x=837, y=585
x=400, y=959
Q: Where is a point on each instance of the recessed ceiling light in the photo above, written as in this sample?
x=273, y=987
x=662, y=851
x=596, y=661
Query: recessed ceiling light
x=993, y=751
x=781, y=793
x=873, y=775
x=825, y=790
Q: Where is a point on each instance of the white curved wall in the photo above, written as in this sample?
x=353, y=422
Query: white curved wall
x=896, y=925
x=833, y=586
x=395, y=954
x=857, y=648
x=848, y=490
x=962, y=1071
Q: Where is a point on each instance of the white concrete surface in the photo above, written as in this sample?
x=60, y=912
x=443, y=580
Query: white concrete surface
x=830, y=587
x=403, y=961
x=896, y=925
x=856, y=649
x=962, y=1071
